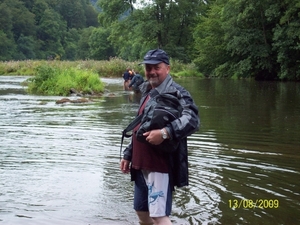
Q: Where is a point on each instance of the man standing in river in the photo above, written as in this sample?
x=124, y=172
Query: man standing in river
x=155, y=173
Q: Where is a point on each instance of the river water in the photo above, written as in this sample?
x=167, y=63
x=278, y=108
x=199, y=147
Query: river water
x=60, y=163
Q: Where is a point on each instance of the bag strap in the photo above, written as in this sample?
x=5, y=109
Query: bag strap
x=130, y=127
x=137, y=120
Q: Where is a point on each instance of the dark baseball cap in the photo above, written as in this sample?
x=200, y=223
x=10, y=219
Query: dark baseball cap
x=156, y=56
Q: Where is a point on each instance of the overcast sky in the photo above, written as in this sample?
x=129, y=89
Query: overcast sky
x=138, y=5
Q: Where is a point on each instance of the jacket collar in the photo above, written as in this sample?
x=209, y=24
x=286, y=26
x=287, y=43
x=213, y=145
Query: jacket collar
x=164, y=85
x=146, y=87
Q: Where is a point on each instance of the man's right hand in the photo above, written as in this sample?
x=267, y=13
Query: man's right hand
x=124, y=166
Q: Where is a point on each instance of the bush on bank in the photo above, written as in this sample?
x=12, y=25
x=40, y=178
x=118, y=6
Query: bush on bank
x=57, y=81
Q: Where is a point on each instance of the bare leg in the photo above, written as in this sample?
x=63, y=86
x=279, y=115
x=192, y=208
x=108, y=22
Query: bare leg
x=165, y=220
x=144, y=218
x=126, y=84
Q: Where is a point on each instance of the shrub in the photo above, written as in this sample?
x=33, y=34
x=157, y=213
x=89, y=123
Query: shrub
x=59, y=81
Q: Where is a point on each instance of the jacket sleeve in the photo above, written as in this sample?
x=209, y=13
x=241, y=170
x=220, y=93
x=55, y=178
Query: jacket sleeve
x=127, y=153
x=189, y=122
x=132, y=81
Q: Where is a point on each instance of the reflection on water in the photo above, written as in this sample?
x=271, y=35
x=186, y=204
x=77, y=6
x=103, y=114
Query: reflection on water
x=59, y=163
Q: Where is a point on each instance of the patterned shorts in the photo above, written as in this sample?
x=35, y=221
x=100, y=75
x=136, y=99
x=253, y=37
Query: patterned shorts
x=152, y=193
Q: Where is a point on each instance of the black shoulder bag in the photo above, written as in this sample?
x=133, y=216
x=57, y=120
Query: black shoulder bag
x=161, y=110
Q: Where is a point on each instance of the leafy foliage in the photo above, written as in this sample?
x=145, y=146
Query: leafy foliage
x=224, y=38
x=257, y=39
x=40, y=29
x=56, y=81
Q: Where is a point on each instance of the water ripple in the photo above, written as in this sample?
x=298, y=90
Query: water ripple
x=60, y=165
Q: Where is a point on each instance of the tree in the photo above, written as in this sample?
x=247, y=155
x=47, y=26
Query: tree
x=287, y=38
x=170, y=24
x=7, y=47
x=160, y=24
x=211, y=55
x=91, y=17
x=41, y=28
x=100, y=48
x=70, y=42
x=249, y=38
x=256, y=39
x=22, y=19
x=72, y=12
x=6, y=24
x=113, y=10
x=51, y=33
x=25, y=47
x=83, y=48
x=38, y=10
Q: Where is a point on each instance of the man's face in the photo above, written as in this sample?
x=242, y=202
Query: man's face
x=156, y=73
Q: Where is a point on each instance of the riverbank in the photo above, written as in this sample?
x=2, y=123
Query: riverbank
x=114, y=67
x=55, y=77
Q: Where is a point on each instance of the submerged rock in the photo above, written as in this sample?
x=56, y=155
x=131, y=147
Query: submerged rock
x=66, y=100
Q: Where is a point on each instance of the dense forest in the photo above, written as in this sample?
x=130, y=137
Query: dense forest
x=223, y=38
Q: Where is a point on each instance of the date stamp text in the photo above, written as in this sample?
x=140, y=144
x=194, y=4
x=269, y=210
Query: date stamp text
x=251, y=204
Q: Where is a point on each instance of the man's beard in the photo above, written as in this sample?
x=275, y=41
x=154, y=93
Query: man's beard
x=154, y=81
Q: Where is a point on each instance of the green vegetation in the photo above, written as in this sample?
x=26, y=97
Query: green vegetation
x=224, y=38
x=252, y=38
x=58, y=77
x=114, y=67
x=57, y=81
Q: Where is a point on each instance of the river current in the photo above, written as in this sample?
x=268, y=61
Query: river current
x=59, y=163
